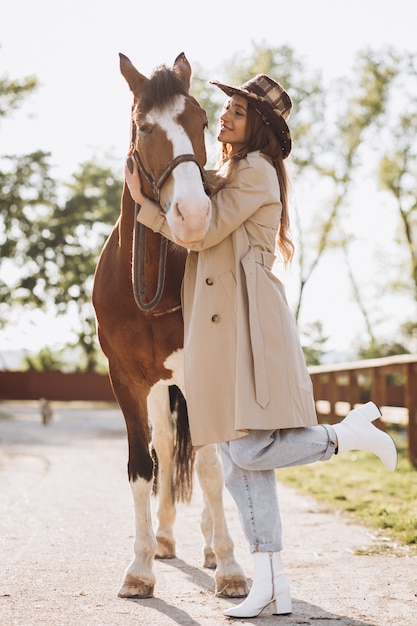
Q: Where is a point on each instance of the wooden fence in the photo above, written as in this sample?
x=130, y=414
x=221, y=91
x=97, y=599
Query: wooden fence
x=389, y=382
x=32, y=385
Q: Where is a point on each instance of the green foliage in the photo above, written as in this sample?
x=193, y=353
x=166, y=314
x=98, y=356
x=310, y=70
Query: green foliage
x=376, y=350
x=49, y=246
x=397, y=173
x=74, y=239
x=14, y=92
x=313, y=341
x=77, y=232
x=27, y=200
x=46, y=360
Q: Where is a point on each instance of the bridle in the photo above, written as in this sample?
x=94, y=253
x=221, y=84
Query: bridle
x=139, y=236
x=156, y=185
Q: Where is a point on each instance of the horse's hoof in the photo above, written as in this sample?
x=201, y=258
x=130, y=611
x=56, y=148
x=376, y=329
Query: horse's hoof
x=232, y=587
x=165, y=548
x=135, y=588
x=209, y=559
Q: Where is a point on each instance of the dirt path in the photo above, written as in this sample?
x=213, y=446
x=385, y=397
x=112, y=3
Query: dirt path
x=66, y=532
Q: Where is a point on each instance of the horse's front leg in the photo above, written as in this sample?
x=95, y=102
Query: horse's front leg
x=163, y=442
x=229, y=577
x=139, y=579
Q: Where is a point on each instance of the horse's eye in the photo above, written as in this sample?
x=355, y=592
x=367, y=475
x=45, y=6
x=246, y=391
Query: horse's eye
x=145, y=129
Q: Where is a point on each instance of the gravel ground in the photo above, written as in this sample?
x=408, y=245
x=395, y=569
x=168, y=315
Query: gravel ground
x=66, y=533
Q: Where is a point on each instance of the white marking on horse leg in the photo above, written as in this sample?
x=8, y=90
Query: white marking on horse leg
x=230, y=579
x=139, y=579
x=207, y=530
x=163, y=442
x=175, y=363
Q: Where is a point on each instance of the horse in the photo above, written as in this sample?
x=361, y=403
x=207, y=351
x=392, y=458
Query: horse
x=143, y=339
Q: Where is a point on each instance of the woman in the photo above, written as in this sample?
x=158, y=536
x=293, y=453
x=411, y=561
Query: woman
x=246, y=381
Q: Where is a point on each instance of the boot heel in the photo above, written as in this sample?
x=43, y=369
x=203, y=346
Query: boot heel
x=282, y=604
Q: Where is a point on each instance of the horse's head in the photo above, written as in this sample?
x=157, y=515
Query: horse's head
x=167, y=123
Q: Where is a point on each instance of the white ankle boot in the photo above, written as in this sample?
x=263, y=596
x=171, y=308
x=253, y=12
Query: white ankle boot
x=356, y=432
x=269, y=586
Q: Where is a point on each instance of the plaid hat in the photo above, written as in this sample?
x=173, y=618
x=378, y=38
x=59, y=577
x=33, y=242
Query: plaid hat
x=270, y=100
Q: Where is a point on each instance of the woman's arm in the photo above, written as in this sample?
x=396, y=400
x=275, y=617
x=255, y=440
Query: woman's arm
x=231, y=206
x=235, y=204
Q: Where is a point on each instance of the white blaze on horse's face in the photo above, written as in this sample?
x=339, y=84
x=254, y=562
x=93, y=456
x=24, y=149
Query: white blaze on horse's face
x=182, y=196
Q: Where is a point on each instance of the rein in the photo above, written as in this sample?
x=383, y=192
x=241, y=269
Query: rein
x=139, y=236
x=138, y=270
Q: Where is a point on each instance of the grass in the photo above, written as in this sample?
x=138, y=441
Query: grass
x=358, y=484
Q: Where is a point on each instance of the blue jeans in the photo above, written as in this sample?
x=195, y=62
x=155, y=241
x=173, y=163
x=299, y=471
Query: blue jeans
x=249, y=471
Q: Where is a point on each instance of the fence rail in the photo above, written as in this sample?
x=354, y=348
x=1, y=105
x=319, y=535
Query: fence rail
x=389, y=382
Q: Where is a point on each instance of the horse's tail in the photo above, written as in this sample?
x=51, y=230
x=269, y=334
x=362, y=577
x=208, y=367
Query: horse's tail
x=184, y=453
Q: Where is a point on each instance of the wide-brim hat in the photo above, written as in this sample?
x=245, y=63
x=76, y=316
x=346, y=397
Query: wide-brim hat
x=270, y=100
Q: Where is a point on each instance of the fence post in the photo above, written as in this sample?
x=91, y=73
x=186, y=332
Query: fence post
x=354, y=389
x=411, y=404
x=379, y=386
x=333, y=397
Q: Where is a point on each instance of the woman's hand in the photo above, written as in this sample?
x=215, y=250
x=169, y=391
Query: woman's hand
x=132, y=178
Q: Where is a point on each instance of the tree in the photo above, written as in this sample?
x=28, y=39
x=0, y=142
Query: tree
x=50, y=248
x=398, y=172
x=27, y=198
x=360, y=104
x=75, y=237
x=49, y=245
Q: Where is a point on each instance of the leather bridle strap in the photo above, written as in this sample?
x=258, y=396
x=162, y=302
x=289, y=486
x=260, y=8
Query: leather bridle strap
x=139, y=234
x=156, y=185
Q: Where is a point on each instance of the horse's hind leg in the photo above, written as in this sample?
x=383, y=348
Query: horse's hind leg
x=207, y=530
x=229, y=577
x=163, y=442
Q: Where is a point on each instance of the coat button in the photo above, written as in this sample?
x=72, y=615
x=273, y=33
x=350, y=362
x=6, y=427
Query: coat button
x=215, y=318
x=209, y=281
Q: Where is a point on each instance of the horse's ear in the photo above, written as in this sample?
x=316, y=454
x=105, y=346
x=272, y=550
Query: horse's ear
x=183, y=70
x=134, y=79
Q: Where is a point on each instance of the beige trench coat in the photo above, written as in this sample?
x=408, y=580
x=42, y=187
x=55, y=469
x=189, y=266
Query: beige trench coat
x=243, y=363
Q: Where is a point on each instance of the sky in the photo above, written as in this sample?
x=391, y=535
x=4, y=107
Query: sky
x=82, y=106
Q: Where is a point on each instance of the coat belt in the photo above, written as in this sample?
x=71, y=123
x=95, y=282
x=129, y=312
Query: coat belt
x=249, y=261
x=264, y=258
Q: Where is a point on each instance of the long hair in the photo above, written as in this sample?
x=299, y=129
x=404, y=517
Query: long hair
x=261, y=137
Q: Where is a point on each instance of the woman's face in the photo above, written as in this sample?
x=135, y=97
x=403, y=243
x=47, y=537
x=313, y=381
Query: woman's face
x=233, y=123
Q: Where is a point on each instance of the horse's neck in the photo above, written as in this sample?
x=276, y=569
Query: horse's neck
x=127, y=225
x=175, y=262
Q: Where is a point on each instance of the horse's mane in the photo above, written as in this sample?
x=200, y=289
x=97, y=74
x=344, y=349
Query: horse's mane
x=160, y=89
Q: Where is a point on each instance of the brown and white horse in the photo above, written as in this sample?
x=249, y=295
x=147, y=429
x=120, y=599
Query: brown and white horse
x=144, y=347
